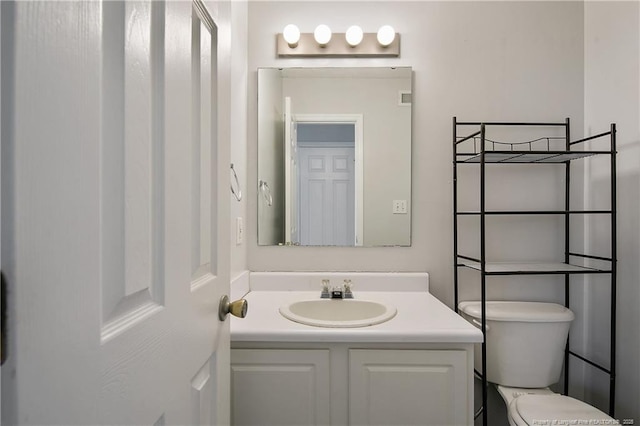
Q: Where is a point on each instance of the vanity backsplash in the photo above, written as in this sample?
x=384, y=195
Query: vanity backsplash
x=312, y=281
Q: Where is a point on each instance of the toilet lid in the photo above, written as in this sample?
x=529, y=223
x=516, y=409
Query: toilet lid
x=554, y=407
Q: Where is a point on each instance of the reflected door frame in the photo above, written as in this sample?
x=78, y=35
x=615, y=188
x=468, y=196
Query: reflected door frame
x=358, y=121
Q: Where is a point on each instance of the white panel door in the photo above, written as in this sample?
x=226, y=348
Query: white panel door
x=118, y=192
x=327, y=196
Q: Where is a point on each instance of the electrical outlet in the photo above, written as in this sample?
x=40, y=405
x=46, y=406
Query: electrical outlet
x=239, y=231
x=399, y=206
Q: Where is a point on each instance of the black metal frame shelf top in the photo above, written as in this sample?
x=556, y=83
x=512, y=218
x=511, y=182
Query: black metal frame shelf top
x=529, y=268
x=478, y=150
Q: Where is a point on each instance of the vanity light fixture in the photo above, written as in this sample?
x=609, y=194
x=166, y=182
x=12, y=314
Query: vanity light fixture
x=354, y=35
x=322, y=35
x=291, y=35
x=322, y=43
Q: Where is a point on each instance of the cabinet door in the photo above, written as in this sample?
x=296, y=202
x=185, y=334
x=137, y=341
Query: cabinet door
x=280, y=387
x=408, y=387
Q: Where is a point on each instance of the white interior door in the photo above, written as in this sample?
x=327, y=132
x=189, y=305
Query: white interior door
x=115, y=214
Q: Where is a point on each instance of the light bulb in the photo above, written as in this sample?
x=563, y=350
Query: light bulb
x=322, y=34
x=386, y=35
x=291, y=35
x=354, y=35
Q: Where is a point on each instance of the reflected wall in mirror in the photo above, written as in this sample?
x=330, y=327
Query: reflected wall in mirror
x=334, y=156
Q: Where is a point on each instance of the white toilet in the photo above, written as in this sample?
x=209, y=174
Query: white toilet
x=525, y=352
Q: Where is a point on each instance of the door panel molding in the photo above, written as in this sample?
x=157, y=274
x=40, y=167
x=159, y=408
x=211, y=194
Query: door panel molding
x=132, y=165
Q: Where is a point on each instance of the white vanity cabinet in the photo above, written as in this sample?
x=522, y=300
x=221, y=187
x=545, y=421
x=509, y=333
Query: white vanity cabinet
x=414, y=369
x=345, y=385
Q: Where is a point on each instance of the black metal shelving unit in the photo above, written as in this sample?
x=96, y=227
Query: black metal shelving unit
x=476, y=149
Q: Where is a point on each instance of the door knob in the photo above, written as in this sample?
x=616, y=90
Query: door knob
x=237, y=308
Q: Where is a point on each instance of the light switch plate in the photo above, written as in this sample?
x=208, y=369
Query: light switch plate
x=239, y=231
x=399, y=206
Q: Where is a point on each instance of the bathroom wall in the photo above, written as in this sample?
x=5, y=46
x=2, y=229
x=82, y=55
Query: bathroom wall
x=474, y=60
x=237, y=114
x=612, y=94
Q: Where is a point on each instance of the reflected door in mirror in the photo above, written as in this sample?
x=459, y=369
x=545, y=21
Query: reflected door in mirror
x=327, y=184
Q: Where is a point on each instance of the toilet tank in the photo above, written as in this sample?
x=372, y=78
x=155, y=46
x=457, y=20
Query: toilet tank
x=525, y=341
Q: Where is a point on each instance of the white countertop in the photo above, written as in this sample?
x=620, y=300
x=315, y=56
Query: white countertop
x=421, y=318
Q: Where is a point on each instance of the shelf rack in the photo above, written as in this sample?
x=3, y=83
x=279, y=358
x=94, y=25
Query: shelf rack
x=483, y=152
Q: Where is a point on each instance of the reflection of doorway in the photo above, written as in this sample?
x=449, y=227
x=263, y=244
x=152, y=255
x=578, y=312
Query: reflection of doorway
x=330, y=190
x=326, y=184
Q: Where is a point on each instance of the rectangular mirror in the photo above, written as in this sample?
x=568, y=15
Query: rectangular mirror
x=334, y=156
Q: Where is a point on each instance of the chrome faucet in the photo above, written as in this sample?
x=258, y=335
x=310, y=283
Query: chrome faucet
x=336, y=292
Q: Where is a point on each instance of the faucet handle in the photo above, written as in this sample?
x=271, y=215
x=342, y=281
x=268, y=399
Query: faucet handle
x=325, y=290
x=347, y=289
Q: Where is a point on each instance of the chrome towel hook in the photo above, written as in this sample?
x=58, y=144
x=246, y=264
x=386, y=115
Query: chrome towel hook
x=237, y=193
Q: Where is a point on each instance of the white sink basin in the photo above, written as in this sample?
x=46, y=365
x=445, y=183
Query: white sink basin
x=344, y=313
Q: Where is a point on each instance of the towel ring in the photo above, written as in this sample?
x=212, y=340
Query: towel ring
x=266, y=192
x=237, y=193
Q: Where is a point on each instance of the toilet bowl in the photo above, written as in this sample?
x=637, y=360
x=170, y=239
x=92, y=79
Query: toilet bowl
x=525, y=344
